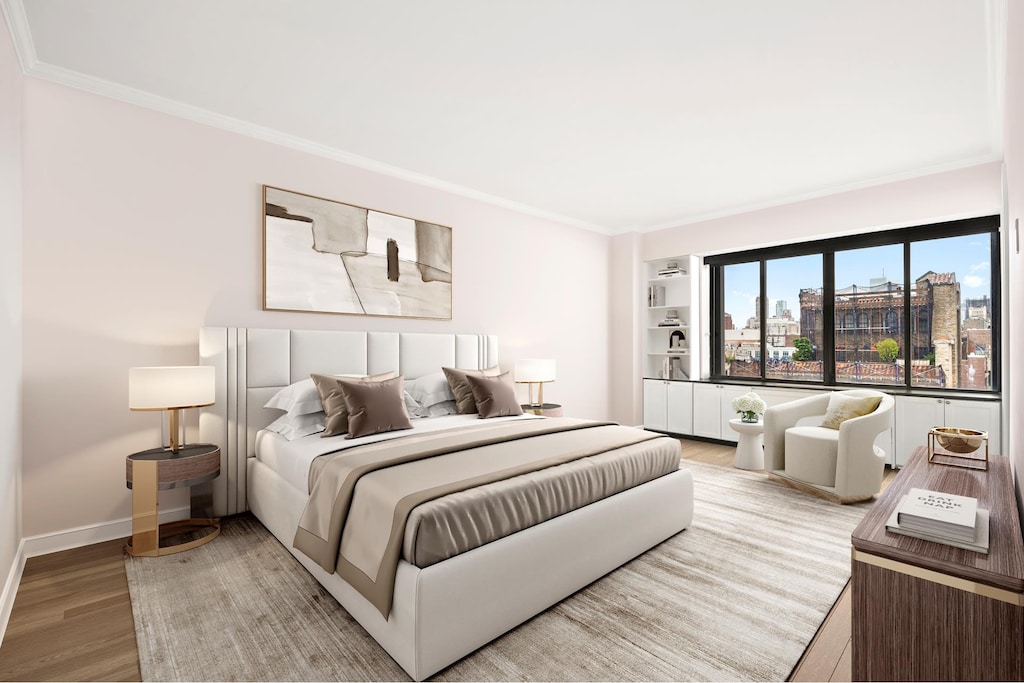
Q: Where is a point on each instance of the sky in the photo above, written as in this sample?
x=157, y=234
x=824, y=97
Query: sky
x=968, y=256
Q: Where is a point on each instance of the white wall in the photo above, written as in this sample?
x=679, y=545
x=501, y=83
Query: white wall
x=141, y=227
x=1013, y=141
x=625, y=336
x=11, y=81
x=964, y=193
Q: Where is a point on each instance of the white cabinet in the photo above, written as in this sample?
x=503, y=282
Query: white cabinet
x=707, y=410
x=671, y=342
x=915, y=415
x=712, y=410
x=668, y=406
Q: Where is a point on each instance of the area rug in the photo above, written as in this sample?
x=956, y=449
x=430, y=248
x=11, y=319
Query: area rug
x=738, y=596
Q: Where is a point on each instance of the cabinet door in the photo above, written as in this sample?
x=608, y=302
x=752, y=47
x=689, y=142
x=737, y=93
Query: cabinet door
x=707, y=410
x=680, y=407
x=655, y=404
x=914, y=416
x=981, y=415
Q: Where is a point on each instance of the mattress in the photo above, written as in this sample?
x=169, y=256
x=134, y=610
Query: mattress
x=459, y=522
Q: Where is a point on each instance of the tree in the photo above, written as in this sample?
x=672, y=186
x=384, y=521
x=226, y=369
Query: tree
x=804, y=350
x=888, y=350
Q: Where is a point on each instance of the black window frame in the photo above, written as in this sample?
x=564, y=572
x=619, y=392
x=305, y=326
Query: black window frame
x=827, y=248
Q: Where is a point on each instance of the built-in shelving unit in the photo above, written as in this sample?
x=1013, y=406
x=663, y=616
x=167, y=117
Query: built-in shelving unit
x=670, y=307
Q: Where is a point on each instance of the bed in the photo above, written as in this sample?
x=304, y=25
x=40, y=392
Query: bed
x=441, y=612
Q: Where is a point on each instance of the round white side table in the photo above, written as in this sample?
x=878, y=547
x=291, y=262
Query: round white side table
x=750, y=448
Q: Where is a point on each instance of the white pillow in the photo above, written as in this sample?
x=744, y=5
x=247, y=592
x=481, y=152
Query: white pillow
x=294, y=427
x=414, y=409
x=300, y=398
x=429, y=390
x=443, y=408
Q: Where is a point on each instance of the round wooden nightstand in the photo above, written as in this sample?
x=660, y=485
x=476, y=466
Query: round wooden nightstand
x=157, y=469
x=547, y=409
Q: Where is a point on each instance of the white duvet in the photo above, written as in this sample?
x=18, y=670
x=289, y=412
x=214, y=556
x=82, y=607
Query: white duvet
x=292, y=459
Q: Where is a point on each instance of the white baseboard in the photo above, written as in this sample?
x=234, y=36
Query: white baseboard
x=44, y=544
x=11, y=588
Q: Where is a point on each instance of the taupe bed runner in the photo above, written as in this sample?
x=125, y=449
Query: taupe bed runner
x=366, y=555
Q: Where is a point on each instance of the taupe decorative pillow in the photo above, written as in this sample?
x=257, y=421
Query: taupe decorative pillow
x=460, y=387
x=334, y=403
x=842, y=408
x=495, y=396
x=375, y=407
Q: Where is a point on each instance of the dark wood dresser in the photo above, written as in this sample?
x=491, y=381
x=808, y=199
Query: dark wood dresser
x=930, y=612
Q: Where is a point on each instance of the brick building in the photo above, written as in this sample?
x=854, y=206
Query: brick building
x=865, y=316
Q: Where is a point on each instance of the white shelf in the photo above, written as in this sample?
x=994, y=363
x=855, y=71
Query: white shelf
x=678, y=294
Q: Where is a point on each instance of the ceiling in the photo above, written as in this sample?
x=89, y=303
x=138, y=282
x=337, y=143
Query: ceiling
x=614, y=115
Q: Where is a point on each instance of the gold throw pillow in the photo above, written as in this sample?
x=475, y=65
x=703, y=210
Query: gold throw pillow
x=842, y=408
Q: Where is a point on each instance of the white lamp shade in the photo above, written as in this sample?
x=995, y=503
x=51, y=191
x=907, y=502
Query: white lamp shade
x=535, y=370
x=163, y=388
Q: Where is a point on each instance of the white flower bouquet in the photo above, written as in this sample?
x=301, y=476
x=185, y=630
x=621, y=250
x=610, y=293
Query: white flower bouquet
x=750, y=406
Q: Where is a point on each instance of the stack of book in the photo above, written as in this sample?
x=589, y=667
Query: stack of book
x=671, y=271
x=942, y=518
x=655, y=295
x=671, y=319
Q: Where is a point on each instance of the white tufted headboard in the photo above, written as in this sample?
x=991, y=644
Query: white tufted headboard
x=253, y=364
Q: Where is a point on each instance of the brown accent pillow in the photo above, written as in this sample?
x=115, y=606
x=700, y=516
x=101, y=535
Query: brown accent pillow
x=375, y=407
x=334, y=403
x=495, y=396
x=460, y=387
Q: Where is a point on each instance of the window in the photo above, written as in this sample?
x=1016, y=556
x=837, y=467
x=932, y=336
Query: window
x=864, y=355
x=794, y=352
x=914, y=308
x=740, y=345
x=951, y=293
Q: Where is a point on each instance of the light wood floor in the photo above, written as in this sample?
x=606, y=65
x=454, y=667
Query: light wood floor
x=72, y=617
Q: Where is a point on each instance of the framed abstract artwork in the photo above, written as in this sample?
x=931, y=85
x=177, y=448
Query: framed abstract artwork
x=323, y=256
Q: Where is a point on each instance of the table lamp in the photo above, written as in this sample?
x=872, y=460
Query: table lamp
x=171, y=388
x=535, y=371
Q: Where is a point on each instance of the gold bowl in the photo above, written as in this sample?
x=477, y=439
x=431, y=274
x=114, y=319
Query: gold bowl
x=956, y=440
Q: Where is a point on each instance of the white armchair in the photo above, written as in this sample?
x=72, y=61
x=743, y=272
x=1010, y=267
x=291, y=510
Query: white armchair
x=841, y=464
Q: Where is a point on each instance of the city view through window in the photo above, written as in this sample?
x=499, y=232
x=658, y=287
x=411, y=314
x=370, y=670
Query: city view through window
x=949, y=316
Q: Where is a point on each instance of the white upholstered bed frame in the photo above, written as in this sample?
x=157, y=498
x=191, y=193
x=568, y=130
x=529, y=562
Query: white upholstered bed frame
x=443, y=612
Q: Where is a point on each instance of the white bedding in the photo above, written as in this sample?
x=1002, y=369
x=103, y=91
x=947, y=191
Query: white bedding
x=292, y=459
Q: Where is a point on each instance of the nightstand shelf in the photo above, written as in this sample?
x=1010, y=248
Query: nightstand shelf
x=547, y=410
x=157, y=469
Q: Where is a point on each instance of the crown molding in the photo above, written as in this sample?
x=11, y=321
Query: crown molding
x=17, y=23
x=141, y=98
x=996, y=28
x=823, y=192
